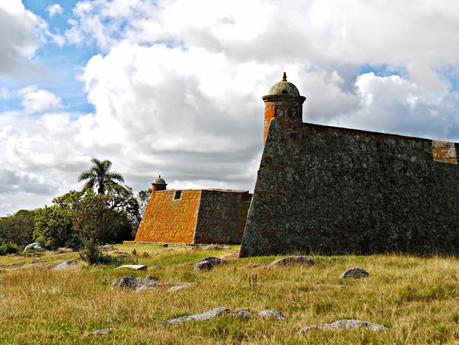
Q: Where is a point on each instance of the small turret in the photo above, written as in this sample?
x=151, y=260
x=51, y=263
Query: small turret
x=158, y=184
x=283, y=101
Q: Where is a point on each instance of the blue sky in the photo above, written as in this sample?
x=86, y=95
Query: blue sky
x=174, y=87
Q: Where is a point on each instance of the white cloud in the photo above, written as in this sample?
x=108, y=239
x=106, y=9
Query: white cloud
x=54, y=9
x=35, y=100
x=19, y=39
x=180, y=94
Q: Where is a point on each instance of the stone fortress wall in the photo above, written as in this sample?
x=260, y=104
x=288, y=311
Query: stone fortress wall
x=333, y=190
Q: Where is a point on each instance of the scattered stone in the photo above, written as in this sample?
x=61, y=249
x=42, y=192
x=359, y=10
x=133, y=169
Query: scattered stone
x=131, y=282
x=107, y=247
x=102, y=331
x=208, y=263
x=241, y=314
x=63, y=250
x=65, y=265
x=133, y=267
x=232, y=256
x=215, y=247
x=179, y=287
x=35, y=246
x=292, y=261
x=345, y=324
x=355, y=272
x=119, y=254
x=200, y=317
x=272, y=314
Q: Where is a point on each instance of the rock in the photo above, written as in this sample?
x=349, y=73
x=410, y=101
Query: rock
x=120, y=254
x=102, y=331
x=35, y=246
x=107, y=247
x=272, y=314
x=215, y=247
x=241, y=314
x=65, y=265
x=132, y=267
x=131, y=282
x=355, y=272
x=208, y=263
x=200, y=317
x=345, y=324
x=179, y=287
x=126, y=282
x=292, y=261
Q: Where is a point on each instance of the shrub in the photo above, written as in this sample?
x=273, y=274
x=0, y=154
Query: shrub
x=53, y=226
x=17, y=228
x=8, y=248
x=91, y=253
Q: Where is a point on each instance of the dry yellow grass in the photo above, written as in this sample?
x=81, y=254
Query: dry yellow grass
x=416, y=298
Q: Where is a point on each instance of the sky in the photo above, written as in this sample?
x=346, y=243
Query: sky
x=174, y=87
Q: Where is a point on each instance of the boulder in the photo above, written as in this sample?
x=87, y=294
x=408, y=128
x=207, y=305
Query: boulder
x=65, y=265
x=292, y=261
x=200, y=317
x=272, y=314
x=102, y=331
x=131, y=282
x=345, y=324
x=208, y=263
x=35, y=247
x=106, y=247
x=355, y=272
x=179, y=287
x=132, y=267
x=241, y=314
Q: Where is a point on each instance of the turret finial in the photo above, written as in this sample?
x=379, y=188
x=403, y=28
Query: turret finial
x=284, y=77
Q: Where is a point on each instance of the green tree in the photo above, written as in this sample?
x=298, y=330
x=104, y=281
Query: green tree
x=100, y=218
x=54, y=227
x=99, y=175
x=17, y=228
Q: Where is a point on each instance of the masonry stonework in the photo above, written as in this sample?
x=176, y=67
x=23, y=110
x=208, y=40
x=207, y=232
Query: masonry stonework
x=194, y=216
x=222, y=217
x=333, y=190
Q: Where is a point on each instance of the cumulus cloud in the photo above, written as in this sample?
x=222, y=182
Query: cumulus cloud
x=54, y=9
x=180, y=94
x=35, y=100
x=19, y=40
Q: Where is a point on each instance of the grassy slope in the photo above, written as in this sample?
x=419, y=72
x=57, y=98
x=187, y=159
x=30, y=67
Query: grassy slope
x=420, y=301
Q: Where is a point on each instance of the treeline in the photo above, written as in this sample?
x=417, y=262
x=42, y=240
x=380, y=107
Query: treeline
x=104, y=211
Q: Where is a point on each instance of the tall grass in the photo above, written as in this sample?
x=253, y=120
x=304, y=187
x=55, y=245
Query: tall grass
x=416, y=298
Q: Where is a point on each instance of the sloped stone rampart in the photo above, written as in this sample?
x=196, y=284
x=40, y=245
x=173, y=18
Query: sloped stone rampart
x=333, y=190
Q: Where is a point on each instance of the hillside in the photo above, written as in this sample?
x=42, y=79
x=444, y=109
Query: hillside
x=416, y=298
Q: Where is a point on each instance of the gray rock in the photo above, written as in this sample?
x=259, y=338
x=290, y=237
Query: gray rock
x=179, y=287
x=292, y=261
x=65, y=265
x=208, y=263
x=131, y=282
x=345, y=324
x=200, y=317
x=102, y=331
x=35, y=246
x=272, y=314
x=132, y=267
x=107, y=247
x=241, y=314
x=126, y=282
x=355, y=272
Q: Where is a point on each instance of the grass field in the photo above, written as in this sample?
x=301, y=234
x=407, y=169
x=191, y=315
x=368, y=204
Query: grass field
x=417, y=299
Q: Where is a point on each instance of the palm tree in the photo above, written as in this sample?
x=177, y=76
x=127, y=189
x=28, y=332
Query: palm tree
x=99, y=175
